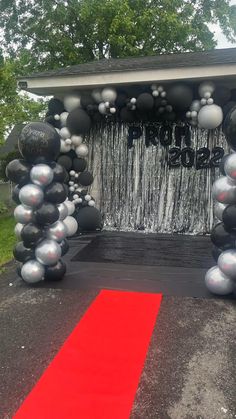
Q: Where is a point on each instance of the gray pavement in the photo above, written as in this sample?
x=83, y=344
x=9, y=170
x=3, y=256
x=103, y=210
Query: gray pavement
x=190, y=367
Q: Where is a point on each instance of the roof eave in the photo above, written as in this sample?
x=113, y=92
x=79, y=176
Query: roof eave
x=52, y=85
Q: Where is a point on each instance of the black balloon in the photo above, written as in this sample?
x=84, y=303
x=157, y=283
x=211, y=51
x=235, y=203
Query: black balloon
x=52, y=121
x=46, y=214
x=78, y=122
x=22, y=253
x=56, y=272
x=220, y=237
x=229, y=217
x=86, y=100
x=39, y=140
x=79, y=164
x=180, y=96
x=65, y=161
x=18, y=270
x=59, y=173
x=15, y=194
x=85, y=178
x=89, y=219
x=228, y=107
x=127, y=115
x=216, y=253
x=31, y=235
x=55, y=193
x=55, y=106
x=230, y=128
x=145, y=102
x=64, y=245
x=121, y=100
x=221, y=95
x=222, y=164
x=18, y=171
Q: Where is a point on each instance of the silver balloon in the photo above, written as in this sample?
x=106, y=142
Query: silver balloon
x=218, y=209
x=17, y=229
x=227, y=263
x=217, y=282
x=23, y=215
x=210, y=116
x=31, y=195
x=41, y=174
x=195, y=105
x=71, y=225
x=72, y=102
x=206, y=87
x=109, y=94
x=32, y=272
x=63, y=211
x=57, y=231
x=224, y=191
x=48, y=252
x=82, y=150
x=230, y=166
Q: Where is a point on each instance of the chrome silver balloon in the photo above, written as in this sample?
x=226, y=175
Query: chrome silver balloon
x=230, y=166
x=32, y=272
x=63, y=211
x=41, y=174
x=70, y=206
x=71, y=225
x=217, y=282
x=224, y=191
x=48, y=252
x=31, y=195
x=23, y=215
x=17, y=229
x=57, y=231
x=227, y=263
x=218, y=209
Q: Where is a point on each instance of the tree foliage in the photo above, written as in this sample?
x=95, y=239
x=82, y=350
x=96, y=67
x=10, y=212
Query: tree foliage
x=14, y=107
x=54, y=33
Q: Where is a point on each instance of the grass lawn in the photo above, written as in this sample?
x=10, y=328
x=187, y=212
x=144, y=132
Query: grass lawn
x=7, y=238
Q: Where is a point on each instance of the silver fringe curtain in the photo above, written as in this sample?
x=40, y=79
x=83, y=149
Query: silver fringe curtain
x=137, y=190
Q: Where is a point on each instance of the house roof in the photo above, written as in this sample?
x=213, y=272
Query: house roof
x=187, y=59
x=219, y=64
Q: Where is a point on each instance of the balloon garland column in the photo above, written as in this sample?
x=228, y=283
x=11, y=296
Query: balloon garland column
x=42, y=205
x=221, y=279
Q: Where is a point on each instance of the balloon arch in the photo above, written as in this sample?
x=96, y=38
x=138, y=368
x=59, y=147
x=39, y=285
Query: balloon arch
x=52, y=178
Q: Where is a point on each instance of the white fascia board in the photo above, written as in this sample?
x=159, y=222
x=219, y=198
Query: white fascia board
x=50, y=85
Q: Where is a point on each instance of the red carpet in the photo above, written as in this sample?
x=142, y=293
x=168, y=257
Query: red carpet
x=96, y=372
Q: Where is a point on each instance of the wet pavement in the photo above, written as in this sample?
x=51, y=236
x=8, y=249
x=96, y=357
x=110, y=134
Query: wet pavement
x=190, y=367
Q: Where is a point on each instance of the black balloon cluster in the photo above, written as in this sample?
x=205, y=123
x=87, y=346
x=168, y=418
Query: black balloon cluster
x=43, y=212
x=72, y=121
x=221, y=279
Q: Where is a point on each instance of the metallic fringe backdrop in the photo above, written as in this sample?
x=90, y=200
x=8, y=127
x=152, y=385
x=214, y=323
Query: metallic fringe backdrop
x=136, y=189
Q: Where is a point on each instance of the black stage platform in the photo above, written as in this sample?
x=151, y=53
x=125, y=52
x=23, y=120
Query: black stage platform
x=171, y=264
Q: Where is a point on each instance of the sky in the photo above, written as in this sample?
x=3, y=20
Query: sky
x=222, y=42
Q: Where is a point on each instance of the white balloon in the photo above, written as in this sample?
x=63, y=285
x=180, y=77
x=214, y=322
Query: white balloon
x=70, y=207
x=87, y=197
x=113, y=110
x=63, y=118
x=133, y=100
x=64, y=147
x=160, y=88
x=57, y=117
x=188, y=114
x=102, y=108
x=76, y=140
x=203, y=101
x=64, y=133
x=194, y=114
x=71, y=188
x=107, y=104
x=82, y=150
x=207, y=95
x=72, y=102
x=109, y=94
x=68, y=141
x=205, y=87
x=97, y=95
x=210, y=116
x=91, y=203
x=163, y=94
x=72, y=173
x=71, y=225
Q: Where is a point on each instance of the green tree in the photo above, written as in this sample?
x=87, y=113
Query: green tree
x=14, y=107
x=54, y=33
